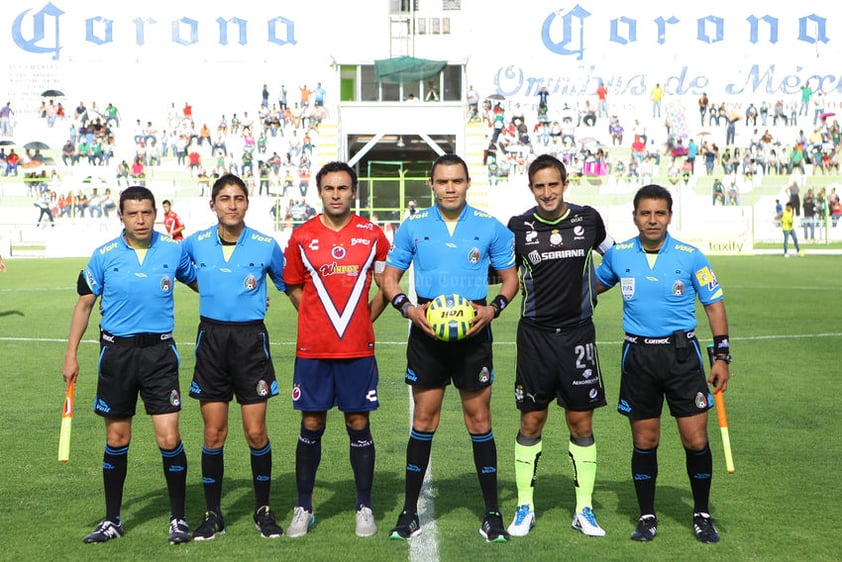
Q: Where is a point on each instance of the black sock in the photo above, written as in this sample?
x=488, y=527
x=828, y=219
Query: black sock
x=700, y=469
x=308, y=455
x=261, y=472
x=114, y=462
x=213, y=467
x=175, y=473
x=485, y=460
x=362, y=463
x=644, y=465
x=417, y=459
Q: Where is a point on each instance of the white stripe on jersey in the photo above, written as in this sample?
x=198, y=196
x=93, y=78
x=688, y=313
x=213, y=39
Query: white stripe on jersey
x=341, y=320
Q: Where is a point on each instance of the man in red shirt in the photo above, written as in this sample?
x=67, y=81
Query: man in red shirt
x=172, y=222
x=330, y=262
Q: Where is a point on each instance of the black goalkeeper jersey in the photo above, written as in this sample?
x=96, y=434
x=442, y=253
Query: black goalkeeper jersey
x=555, y=265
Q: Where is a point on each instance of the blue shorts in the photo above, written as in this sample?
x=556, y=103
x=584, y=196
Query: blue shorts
x=350, y=384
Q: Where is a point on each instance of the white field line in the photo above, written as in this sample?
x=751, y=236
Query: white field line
x=496, y=342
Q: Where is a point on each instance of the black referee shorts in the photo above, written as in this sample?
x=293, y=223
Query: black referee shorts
x=658, y=368
x=147, y=364
x=233, y=359
x=431, y=363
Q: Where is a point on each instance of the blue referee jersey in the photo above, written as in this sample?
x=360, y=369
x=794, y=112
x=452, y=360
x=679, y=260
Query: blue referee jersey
x=452, y=264
x=660, y=299
x=235, y=290
x=137, y=298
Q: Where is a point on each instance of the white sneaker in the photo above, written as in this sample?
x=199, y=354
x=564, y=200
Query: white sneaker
x=524, y=521
x=366, y=526
x=302, y=522
x=586, y=522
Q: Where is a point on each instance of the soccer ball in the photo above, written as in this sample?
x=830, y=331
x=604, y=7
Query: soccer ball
x=450, y=316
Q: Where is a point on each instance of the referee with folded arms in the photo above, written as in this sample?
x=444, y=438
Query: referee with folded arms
x=451, y=246
x=135, y=276
x=660, y=279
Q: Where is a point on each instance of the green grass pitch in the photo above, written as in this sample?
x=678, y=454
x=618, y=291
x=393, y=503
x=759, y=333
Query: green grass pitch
x=783, y=404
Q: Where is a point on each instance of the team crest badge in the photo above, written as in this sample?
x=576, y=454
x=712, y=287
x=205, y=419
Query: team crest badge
x=296, y=392
x=166, y=284
x=338, y=252
x=484, y=375
x=175, y=398
x=555, y=238
x=250, y=283
x=474, y=256
x=262, y=388
x=701, y=401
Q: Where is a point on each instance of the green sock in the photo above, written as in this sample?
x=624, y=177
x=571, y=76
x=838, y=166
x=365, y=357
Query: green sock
x=584, y=473
x=526, y=467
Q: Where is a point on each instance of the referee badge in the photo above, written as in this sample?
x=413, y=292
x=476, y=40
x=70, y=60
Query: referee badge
x=250, y=283
x=701, y=402
x=484, y=375
x=166, y=284
x=627, y=286
x=678, y=288
x=175, y=398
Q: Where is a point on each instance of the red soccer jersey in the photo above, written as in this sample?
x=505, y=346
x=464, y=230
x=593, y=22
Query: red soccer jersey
x=335, y=269
x=172, y=222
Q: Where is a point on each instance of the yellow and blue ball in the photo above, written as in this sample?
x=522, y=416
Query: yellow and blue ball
x=450, y=316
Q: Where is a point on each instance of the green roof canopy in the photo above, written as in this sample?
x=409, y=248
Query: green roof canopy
x=401, y=70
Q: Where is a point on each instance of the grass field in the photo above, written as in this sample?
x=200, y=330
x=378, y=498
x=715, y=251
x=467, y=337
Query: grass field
x=783, y=404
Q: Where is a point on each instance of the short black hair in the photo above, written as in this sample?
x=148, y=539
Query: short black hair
x=449, y=160
x=166, y=202
x=228, y=179
x=337, y=166
x=653, y=191
x=136, y=193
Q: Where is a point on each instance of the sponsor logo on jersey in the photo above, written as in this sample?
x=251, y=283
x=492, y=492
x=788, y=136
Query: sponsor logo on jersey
x=474, y=256
x=166, y=284
x=352, y=270
x=108, y=248
x=203, y=236
x=537, y=258
x=419, y=215
x=623, y=406
x=627, y=287
x=338, y=252
x=101, y=405
x=704, y=276
x=371, y=396
x=579, y=231
x=555, y=238
x=530, y=224
x=195, y=388
x=175, y=398
x=531, y=238
x=577, y=218
x=261, y=388
x=593, y=394
x=678, y=288
x=410, y=374
x=261, y=238
x=685, y=248
x=314, y=244
x=481, y=214
x=363, y=241
x=250, y=283
x=365, y=225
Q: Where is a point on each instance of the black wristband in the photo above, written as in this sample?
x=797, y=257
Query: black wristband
x=722, y=348
x=499, y=303
x=402, y=303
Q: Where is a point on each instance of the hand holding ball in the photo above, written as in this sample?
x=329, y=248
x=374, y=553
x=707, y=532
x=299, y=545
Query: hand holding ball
x=450, y=316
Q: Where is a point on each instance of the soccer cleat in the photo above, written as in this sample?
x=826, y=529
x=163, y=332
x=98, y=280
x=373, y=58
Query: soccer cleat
x=586, y=523
x=646, y=528
x=524, y=521
x=302, y=522
x=212, y=525
x=492, y=529
x=105, y=531
x=264, y=521
x=179, y=531
x=407, y=527
x=365, y=525
x=703, y=526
